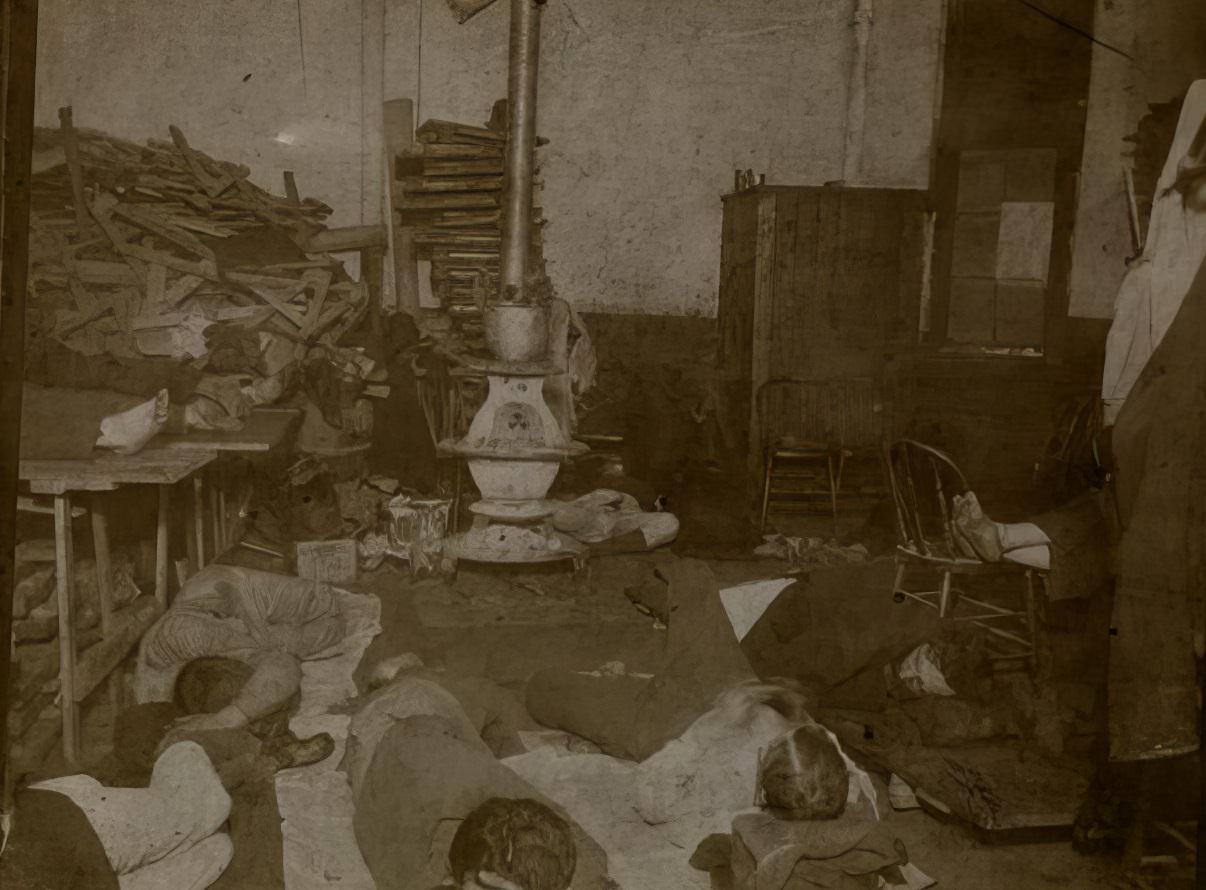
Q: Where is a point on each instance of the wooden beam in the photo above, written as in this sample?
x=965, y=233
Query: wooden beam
x=71, y=151
x=21, y=33
x=346, y=238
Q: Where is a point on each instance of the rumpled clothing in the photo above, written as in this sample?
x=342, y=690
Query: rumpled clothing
x=836, y=854
x=698, y=782
x=266, y=620
x=417, y=768
x=164, y=835
x=605, y=514
x=1156, y=284
x=632, y=717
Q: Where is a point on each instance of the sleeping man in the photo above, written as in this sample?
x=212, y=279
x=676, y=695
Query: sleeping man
x=434, y=805
x=244, y=634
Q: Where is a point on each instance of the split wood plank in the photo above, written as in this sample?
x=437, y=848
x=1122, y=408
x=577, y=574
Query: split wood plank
x=213, y=185
x=321, y=283
x=156, y=288
x=181, y=288
x=346, y=238
x=143, y=217
x=291, y=192
x=72, y=152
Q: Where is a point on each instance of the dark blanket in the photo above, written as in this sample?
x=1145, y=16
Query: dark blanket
x=633, y=717
x=423, y=780
x=53, y=847
x=1159, y=445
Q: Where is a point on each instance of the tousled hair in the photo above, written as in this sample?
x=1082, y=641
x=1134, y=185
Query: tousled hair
x=804, y=776
x=521, y=840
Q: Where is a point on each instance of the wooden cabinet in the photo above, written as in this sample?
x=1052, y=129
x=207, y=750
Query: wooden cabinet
x=815, y=283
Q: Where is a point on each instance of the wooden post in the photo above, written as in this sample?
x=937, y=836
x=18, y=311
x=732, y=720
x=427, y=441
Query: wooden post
x=64, y=571
x=161, y=546
x=398, y=118
x=20, y=26
x=72, y=153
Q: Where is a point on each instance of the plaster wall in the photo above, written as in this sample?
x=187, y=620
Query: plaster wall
x=649, y=107
x=274, y=84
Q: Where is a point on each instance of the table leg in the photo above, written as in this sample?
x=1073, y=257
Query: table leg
x=223, y=525
x=197, y=526
x=64, y=570
x=161, y=546
x=104, y=588
x=215, y=519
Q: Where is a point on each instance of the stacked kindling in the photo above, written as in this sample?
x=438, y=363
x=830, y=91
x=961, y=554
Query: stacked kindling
x=452, y=185
x=136, y=250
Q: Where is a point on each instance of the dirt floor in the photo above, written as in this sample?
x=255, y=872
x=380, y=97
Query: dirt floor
x=504, y=624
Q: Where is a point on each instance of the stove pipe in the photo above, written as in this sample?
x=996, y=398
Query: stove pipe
x=521, y=145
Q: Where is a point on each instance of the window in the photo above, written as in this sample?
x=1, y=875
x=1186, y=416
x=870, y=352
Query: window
x=1002, y=248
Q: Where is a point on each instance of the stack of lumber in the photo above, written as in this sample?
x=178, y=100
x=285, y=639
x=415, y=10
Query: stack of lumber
x=136, y=249
x=451, y=193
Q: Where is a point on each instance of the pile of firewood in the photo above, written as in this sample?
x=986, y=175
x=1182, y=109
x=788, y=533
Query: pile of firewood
x=452, y=183
x=137, y=249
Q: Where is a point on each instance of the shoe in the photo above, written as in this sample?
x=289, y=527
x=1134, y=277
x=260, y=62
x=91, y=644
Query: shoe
x=290, y=752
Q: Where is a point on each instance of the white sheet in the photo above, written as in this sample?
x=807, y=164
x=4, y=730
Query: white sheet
x=1156, y=284
x=320, y=849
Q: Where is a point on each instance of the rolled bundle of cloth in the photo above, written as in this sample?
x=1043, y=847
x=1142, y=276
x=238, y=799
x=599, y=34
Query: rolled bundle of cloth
x=167, y=834
x=978, y=537
x=58, y=423
x=613, y=521
x=632, y=716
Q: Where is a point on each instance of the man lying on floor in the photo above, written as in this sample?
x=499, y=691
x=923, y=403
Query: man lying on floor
x=433, y=804
x=268, y=622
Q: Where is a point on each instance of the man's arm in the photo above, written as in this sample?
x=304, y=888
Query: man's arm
x=277, y=677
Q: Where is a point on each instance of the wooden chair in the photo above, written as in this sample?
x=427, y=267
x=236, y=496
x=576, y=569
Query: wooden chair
x=811, y=428
x=923, y=481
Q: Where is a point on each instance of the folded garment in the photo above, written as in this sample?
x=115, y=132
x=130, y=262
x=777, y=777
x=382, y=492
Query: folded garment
x=632, y=717
x=58, y=423
x=848, y=853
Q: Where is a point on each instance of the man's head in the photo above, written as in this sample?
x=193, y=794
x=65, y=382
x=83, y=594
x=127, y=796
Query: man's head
x=804, y=776
x=509, y=844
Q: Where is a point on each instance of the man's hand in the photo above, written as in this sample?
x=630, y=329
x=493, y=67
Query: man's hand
x=487, y=880
x=227, y=718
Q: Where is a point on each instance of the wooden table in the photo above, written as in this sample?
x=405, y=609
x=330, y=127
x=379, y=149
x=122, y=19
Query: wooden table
x=61, y=478
x=264, y=430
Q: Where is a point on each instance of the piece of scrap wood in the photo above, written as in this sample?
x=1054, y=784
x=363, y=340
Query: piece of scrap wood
x=213, y=185
x=321, y=284
x=205, y=268
x=157, y=225
x=156, y=288
x=291, y=192
x=101, y=272
x=72, y=152
x=181, y=288
x=85, y=302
